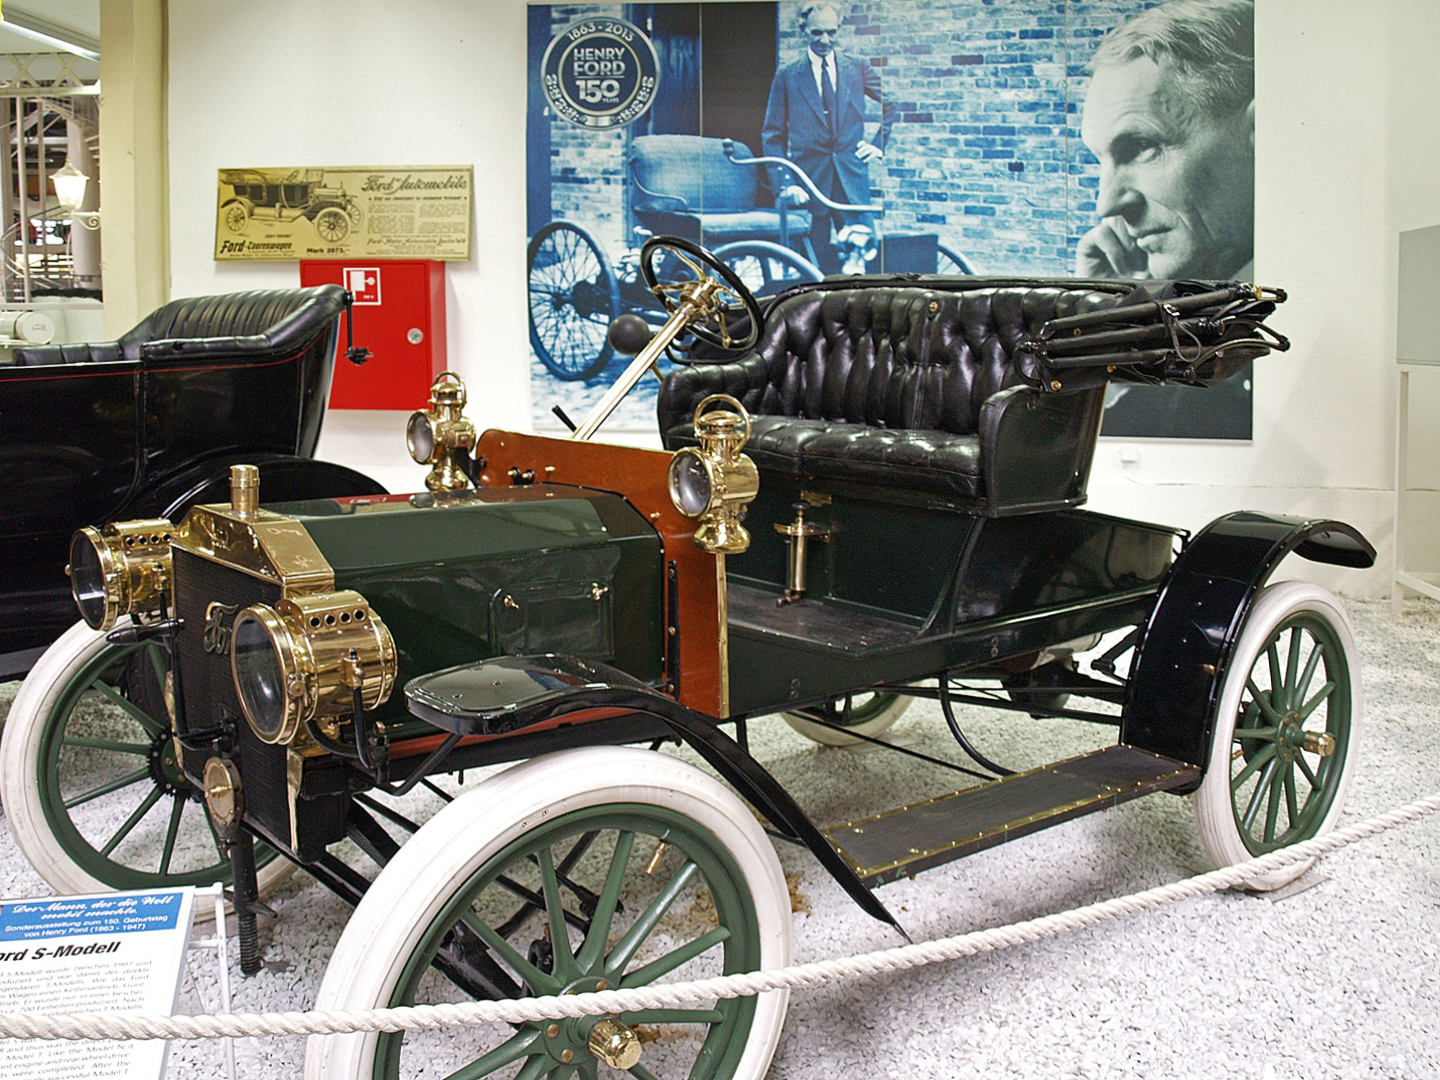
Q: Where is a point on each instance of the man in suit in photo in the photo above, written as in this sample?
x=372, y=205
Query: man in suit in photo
x=816, y=118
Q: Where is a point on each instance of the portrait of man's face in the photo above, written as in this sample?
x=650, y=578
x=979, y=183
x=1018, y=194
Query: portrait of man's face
x=822, y=26
x=1181, y=183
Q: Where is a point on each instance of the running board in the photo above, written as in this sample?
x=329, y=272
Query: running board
x=901, y=843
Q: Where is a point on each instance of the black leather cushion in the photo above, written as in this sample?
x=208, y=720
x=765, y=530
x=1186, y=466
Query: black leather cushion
x=928, y=460
x=258, y=325
x=883, y=385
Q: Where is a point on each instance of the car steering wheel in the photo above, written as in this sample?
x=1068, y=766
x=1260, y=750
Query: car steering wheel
x=714, y=326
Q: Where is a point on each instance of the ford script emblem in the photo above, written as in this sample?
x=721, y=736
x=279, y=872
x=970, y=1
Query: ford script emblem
x=218, y=619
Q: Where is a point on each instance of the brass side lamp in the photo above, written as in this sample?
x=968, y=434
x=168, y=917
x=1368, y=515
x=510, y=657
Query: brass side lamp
x=715, y=481
x=439, y=433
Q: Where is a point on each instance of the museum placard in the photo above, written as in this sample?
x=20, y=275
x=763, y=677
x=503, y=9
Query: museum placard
x=78, y=954
x=343, y=213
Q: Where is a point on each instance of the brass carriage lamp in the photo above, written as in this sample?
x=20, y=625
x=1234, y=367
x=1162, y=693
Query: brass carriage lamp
x=715, y=481
x=122, y=568
x=439, y=433
x=70, y=190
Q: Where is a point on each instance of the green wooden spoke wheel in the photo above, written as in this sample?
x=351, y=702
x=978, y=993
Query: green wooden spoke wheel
x=592, y=869
x=1285, y=731
x=93, y=789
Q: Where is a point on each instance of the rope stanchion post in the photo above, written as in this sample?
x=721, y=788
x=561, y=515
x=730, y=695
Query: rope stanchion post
x=674, y=995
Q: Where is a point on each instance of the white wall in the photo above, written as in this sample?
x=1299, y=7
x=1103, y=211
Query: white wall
x=1346, y=130
x=1348, y=146
x=436, y=82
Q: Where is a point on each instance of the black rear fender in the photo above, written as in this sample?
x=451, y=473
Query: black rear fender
x=1186, y=644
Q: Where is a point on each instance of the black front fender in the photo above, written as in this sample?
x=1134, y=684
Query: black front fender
x=509, y=693
x=1187, y=642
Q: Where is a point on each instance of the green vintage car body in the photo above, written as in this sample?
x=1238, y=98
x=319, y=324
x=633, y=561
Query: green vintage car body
x=294, y=666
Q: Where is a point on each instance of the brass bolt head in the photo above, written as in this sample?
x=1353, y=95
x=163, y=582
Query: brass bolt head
x=614, y=1044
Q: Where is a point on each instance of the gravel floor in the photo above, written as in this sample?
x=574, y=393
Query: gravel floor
x=1337, y=980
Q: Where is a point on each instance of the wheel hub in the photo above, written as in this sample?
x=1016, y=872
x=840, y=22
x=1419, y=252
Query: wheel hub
x=164, y=765
x=584, y=1037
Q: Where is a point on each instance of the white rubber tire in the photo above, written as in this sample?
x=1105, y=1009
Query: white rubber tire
x=443, y=855
x=875, y=726
x=1213, y=801
x=20, y=782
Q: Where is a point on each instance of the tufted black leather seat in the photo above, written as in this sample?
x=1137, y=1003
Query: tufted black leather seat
x=258, y=325
x=909, y=387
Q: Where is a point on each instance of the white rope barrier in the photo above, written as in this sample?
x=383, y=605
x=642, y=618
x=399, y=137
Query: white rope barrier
x=129, y=1025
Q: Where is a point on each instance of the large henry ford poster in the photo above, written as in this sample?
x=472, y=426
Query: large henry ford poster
x=1099, y=138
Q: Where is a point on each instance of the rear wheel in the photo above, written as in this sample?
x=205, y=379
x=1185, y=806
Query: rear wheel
x=92, y=787
x=1284, y=740
x=574, y=296
x=869, y=714
x=236, y=215
x=588, y=869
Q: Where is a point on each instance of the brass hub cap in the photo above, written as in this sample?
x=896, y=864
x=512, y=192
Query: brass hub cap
x=585, y=1037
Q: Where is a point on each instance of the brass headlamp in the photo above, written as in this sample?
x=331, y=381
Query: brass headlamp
x=437, y=433
x=715, y=481
x=303, y=659
x=120, y=569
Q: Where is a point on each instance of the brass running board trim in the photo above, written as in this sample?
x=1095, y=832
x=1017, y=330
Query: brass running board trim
x=902, y=842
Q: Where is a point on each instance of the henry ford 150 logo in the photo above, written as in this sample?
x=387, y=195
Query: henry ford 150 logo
x=600, y=73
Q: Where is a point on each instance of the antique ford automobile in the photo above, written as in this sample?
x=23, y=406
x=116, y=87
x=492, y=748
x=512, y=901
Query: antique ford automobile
x=149, y=425
x=312, y=660
x=259, y=196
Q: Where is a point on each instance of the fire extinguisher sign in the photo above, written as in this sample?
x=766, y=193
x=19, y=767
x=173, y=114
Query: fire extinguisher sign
x=363, y=283
x=601, y=73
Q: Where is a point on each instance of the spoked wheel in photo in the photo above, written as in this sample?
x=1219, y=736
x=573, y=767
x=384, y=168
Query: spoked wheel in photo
x=767, y=268
x=574, y=296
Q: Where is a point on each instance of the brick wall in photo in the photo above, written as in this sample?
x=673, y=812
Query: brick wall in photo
x=987, y=151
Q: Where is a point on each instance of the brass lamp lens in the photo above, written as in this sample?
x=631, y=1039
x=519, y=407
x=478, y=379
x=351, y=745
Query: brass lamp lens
x=88, y=581
x=259, y=674
x=420, y=438
x=691, y=487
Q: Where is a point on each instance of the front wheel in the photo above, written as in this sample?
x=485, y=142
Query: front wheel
x=587, y=869
x=332, y=224
x=1284, y=743
x=92, y=788
x=767, y=268
x=950, y=261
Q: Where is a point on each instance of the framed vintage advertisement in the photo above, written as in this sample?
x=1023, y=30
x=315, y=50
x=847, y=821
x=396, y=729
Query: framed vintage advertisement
x=344, y=213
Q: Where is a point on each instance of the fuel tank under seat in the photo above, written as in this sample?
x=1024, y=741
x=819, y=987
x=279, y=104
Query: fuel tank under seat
x=910, y=387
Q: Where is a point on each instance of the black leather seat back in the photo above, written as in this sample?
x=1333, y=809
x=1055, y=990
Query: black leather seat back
x=905, y=358
x=260, y=324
